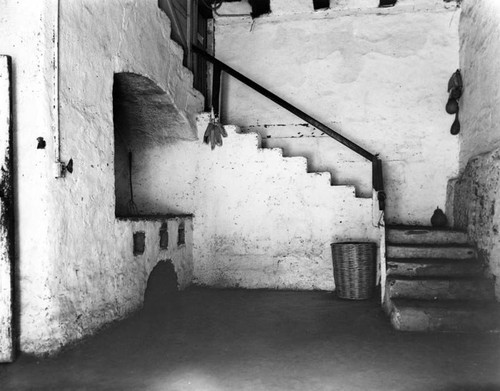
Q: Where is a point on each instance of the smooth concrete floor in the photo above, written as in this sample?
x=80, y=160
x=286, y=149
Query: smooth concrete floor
x=263, y=340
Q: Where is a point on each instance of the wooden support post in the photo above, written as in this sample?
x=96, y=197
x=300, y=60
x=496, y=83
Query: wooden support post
x=6, y=214
x=378, y=181
x=216, y=89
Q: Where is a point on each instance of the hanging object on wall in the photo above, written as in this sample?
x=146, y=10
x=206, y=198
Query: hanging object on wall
x=41, y=144
x=439, y=219
x=214, y=132
x=455, y=86
x=452, y=106
x=455, y=126
x=69, y=166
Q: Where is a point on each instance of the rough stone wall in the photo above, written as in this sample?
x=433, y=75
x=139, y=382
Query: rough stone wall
x=274, y=220
x=377, y=76
x=476, y=191
x=260, y=219
x=476, y=194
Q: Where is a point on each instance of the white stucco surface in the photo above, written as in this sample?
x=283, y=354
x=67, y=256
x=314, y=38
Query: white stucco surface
x=476, y=191
x=26, y=29
x=377, y=76
x=261, y=220
x=75, y=268
x=95, y=277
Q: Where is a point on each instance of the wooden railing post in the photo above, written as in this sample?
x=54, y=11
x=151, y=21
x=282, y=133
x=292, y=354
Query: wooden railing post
x=216, y=82
x=378, y=181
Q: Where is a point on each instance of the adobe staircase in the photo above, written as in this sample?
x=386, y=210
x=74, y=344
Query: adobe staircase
x=435, y=282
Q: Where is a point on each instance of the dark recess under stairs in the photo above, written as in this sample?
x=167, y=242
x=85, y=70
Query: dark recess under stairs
x=435, y=282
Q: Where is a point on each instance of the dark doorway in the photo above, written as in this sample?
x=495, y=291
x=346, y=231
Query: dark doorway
x=162, y=287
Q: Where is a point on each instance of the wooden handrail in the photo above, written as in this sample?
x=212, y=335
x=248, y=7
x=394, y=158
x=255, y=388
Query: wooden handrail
x=219, y=66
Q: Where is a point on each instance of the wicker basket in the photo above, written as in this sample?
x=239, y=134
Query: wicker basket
x=354, y=269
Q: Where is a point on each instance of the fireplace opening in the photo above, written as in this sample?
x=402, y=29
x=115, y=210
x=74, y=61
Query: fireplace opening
x=162, y=287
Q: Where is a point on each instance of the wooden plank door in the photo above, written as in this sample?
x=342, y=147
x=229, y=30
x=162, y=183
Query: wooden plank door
x=6, y=214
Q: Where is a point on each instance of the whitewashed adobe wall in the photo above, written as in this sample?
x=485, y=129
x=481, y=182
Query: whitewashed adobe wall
x=377, y=76
x=26, y=29
x=75, y=267
x=476, y=191
x=95, y=281
x=268, y=223
x=260, y=220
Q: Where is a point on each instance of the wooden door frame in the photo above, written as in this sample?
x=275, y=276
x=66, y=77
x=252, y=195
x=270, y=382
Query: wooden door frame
x=7, y=346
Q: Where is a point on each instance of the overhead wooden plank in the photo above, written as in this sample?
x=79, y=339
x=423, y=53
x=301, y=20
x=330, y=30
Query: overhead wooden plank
x=6, y=214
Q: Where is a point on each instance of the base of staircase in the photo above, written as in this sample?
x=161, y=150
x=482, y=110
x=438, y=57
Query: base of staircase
x=436, y=282
x=445, y=315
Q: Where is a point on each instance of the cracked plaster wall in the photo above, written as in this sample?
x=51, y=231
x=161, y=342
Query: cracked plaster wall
x=475, y=193
x=377, y=76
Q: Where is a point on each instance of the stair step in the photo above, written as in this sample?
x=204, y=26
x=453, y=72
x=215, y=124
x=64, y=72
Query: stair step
x=440, y=288
x=323, y=176
x=271, y=152
x=298, y=163
x=445, y=315
x=415, y=235
x=455, y=251
x=415, y=267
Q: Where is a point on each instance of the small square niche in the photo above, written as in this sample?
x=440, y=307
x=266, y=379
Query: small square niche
x=321, y=4
x=139, y=242
x=164, y=236
x=181, y=234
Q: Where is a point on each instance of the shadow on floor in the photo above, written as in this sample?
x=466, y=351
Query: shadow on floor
x=263, y=340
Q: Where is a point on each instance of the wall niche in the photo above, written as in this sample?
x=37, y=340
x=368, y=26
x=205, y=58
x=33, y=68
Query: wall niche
x=145, y=118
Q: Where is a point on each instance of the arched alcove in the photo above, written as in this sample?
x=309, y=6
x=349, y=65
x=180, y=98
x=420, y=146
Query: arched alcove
x=144, y=117
x=162, y=286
